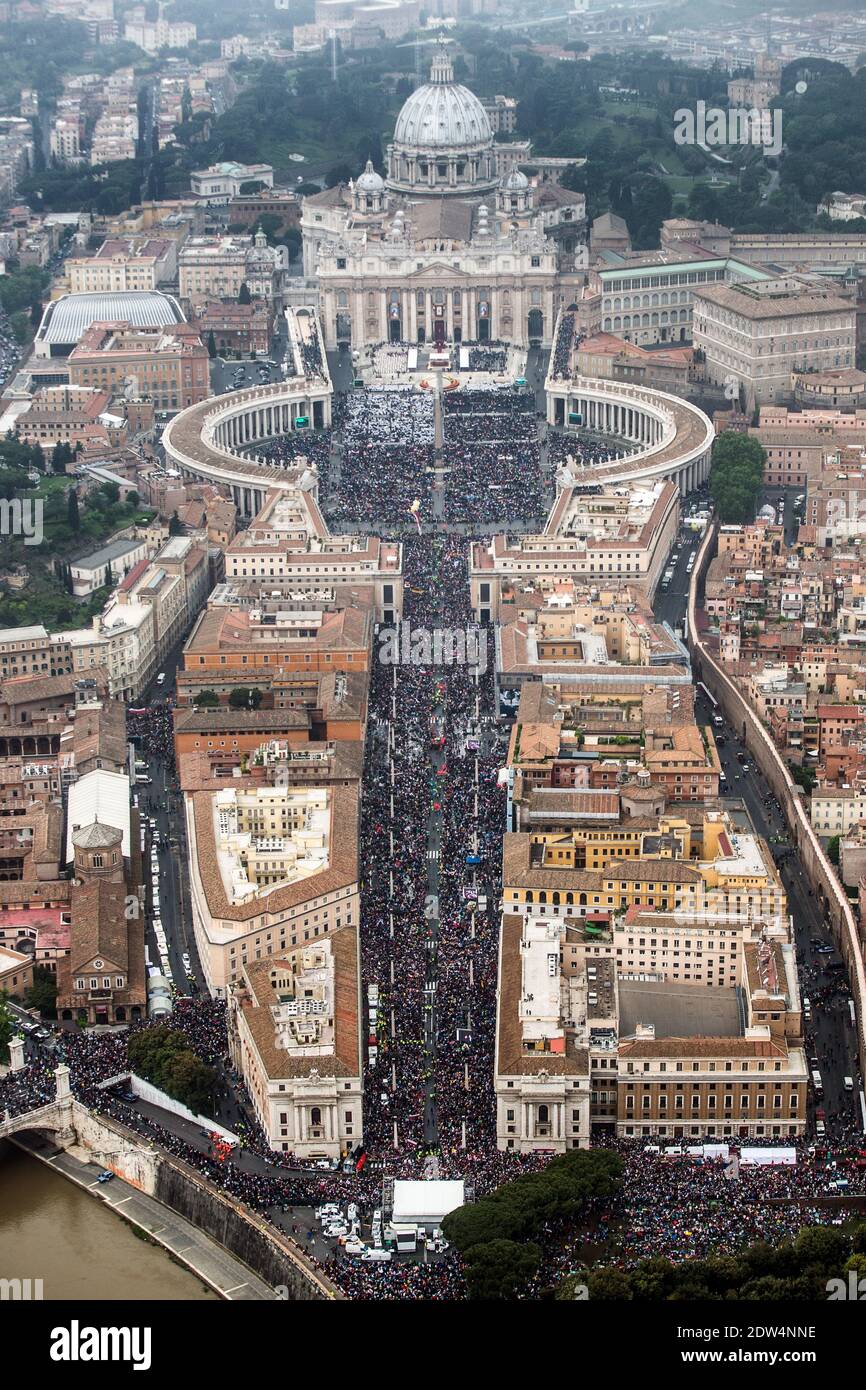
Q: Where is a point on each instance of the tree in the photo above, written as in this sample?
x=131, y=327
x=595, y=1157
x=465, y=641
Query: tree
x=341, y=173
x=42, y=994
x=518, y=1210
x=61, y=456
x=208, y=699
x=609, y=1284
x=244, y=296
x=7, y=1026
x=20, y=324
x=244, y=698
x=72, y=515
x=833, y=850
x=211, y=345
x=175, y=525
x=736, y=475
x=498, y=1268
x=163, y=1056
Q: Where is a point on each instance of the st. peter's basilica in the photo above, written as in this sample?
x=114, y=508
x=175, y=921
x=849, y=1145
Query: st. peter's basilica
x=457, y=244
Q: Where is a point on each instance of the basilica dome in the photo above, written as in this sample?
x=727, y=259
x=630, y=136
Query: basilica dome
x=442, y=115
x=443, y=143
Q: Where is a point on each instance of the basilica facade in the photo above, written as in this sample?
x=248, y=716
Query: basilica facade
x=455, y=245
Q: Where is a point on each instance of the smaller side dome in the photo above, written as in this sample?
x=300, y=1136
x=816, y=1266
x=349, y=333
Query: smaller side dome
x=515, y=182
x=370, y=181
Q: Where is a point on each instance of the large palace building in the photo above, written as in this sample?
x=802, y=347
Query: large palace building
x=456, y=245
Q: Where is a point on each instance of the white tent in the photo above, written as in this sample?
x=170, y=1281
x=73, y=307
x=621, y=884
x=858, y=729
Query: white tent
x=425, y=1203
x=761, y=1157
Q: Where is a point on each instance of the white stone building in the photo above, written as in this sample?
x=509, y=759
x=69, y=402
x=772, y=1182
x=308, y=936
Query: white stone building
x=295, y=1037
x=455, y=245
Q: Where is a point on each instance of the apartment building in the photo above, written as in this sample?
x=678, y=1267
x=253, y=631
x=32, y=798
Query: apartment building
x=622, y=536
x=295, y=1036
x=152, y=35
x=74, y=415
x=106, y=566
x=151, y=608
x=29, y=651
x=289, y=543
x=270, y=869
x=242, y=328
x=170, y=364
x=219, y=183
x=760, y=334
x=65, y=141
x=837, y=810
x=650, y=298
x=735, y=873
x=122, y=264
x=582, y=1046
x=253, y=644
x=216, y=267
x=843, y=207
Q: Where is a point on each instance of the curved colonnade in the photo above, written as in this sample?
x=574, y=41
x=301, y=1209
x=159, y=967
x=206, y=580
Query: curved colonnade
x=662, y=435
x=204, y=441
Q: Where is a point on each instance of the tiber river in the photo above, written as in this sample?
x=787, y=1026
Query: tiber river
x=52, y=1230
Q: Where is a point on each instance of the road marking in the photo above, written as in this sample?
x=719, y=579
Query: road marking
x=234, y=1289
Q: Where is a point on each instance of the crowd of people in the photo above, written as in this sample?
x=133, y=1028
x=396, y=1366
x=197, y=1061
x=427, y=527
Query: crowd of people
x=587, y=453
x=493, y=456
x=312, y=358
x=430, y=843
x=560, y=368
x=390, y=360
x=152, y=729
x=386, y=454
x=313, y=448
x=488, y=357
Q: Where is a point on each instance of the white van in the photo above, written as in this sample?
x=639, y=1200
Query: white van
x=160, y=680
x=817, y=1083
x=848, y=1083
x=375, y=1256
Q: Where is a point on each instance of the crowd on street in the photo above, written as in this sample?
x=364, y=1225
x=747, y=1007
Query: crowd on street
x=430, y=849
x=386, y=455
x=311, y=351
x=152, y=726
x=487, y=357
x=493, y=456
x=560, y=368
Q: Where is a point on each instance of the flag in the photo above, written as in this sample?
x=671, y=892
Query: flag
x=361, y=1161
